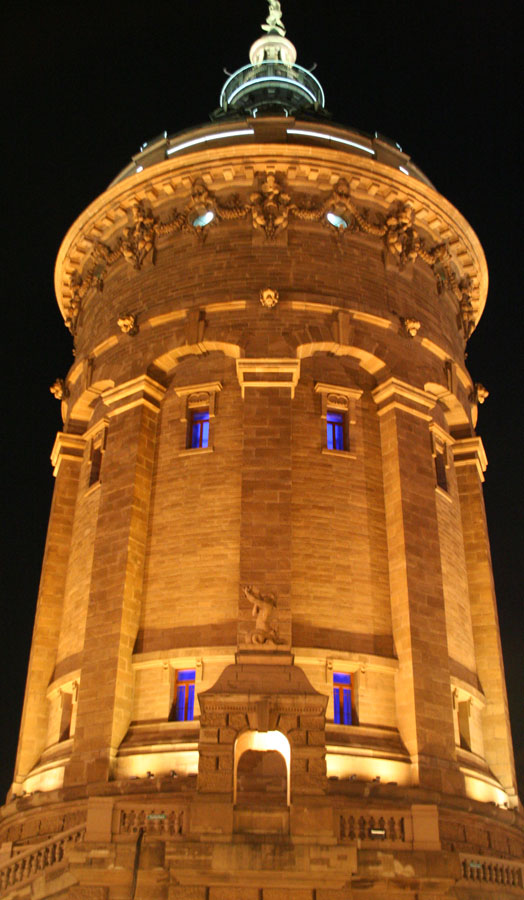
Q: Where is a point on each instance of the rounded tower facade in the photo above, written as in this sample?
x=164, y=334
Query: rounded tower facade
x=266, y=659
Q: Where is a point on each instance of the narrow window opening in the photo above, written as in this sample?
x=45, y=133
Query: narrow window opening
x=182, y=709
x=440, y=470
x=343, y=699
x=96, y=465
x=464, y=724
x=199, y=428
x=66, y=716
x=335, y=422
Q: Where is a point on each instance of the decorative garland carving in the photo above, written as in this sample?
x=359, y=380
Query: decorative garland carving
x=270, y=206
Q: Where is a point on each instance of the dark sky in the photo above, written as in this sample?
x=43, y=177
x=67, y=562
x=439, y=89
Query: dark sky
x=85, y=85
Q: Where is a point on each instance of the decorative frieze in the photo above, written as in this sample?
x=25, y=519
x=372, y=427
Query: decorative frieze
x=269, y=205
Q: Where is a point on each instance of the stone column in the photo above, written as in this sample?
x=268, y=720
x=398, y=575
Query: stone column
x=265, y=538
x=106, y=687
x=470, y=464
x=66, y=458
x=423, y=691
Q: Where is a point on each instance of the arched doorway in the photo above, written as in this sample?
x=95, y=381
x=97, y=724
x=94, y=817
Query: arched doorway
x=262, y=763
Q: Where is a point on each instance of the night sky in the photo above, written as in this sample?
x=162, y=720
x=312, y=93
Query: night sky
x=85, y=85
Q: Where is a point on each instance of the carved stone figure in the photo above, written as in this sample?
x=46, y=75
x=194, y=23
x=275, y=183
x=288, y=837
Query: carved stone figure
x=269, y=298
x=479, y=394
x=401, y=238
x=58, y=389
x=270, y=206
x=274, y=23
x=139, y=238
x=264, y=606
x=411, y=326
x=127, y=324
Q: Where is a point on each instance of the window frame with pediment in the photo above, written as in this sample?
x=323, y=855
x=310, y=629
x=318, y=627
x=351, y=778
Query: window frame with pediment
x=338, y=398
x=196, y=397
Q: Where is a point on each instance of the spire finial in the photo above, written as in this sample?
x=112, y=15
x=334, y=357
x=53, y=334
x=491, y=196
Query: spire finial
x=274, y=23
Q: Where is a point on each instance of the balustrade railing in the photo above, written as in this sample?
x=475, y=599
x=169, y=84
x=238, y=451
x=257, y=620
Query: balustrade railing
x=166, y=822
x=375, y=826
x=29, y=863
x=492, y=871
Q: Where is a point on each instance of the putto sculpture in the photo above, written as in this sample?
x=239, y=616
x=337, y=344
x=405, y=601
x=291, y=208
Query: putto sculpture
x=264, y=613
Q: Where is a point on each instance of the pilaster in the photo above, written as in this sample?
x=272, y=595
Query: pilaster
x=104, y=704
x=66, y=457
x=470, y=464
x=417, y=599
x=265, y=535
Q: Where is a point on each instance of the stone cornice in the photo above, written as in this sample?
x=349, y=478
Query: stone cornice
x=67, y=447
x=161, y=203
x=268, y=373
x=397, y=394
x=470, y=452
x=141, y=391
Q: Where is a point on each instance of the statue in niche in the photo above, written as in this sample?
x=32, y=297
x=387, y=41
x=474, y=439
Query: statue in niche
x=264, y=612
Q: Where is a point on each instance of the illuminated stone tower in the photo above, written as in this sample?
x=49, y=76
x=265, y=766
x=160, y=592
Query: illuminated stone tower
x=266, y=660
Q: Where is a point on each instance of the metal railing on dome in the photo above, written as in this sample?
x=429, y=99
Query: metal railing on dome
x=269, y=74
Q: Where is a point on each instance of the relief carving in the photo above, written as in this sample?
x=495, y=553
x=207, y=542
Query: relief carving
x=411, y=326
x=270, y=205
x=198, y=399
x=139, y=238
x=479, y=393
x=127, y=323
x=264, y=613
x=59, y=389
x=337, y=400
x=269, y=298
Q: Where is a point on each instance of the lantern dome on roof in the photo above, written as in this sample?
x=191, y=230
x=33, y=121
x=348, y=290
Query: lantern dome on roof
x=272, y=82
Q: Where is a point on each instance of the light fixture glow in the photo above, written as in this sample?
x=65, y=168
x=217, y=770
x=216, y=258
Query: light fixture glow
x=402, y=169
x=139, y=168
x=204, y=219
x=336, y=221
x=330, y=137
x=210, y=137
x=272, y=78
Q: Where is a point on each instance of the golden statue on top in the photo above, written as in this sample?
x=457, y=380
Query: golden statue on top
x=274, y=21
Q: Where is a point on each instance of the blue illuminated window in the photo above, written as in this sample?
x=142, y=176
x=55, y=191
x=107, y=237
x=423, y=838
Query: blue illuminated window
x=199, y=428
x=184, y=699
x=335, y=430
x=342, y=698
